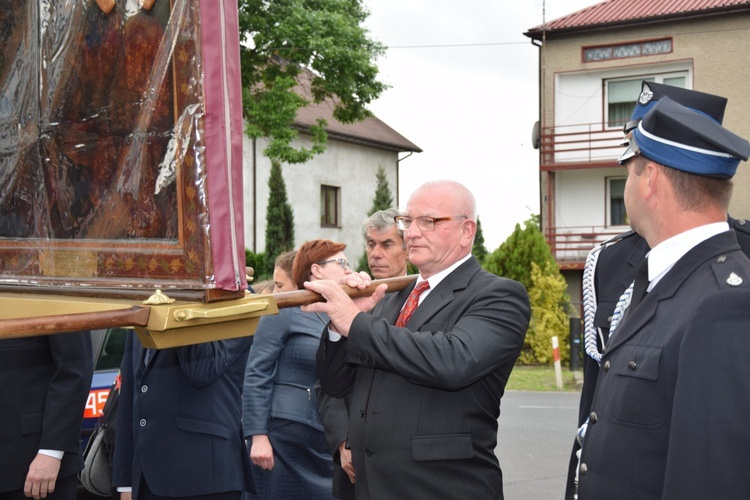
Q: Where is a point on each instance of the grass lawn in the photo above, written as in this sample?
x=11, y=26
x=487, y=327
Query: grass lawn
x=539, y=378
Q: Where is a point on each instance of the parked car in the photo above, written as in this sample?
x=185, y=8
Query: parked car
x=109, y=347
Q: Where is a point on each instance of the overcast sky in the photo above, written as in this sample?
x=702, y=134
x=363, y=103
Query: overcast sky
x=464, y=87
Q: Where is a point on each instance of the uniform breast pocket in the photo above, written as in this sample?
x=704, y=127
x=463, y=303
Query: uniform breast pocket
x=637, y=397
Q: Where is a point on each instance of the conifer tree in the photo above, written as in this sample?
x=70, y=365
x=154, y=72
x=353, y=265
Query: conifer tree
x=479, y=250
x=382, y=201
x=279, y=218
x=383, y=198
x=513, y=258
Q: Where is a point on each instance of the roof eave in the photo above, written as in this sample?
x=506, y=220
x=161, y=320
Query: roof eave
x=538, y=34
x=353, y=139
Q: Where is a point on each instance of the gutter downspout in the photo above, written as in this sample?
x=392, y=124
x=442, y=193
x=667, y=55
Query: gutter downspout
x=398, y=176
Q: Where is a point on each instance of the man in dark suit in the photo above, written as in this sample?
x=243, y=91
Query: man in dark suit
x=44, y=383
x=675, y=355
x=386, y=258
x=425, y=396
x=180, y=422
x=610, y=268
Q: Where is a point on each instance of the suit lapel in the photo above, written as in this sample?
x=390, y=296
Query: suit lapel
x=443, y=294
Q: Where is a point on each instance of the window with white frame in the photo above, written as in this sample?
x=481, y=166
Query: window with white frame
x=330, y=201
x=616, y=214
x=622, y=94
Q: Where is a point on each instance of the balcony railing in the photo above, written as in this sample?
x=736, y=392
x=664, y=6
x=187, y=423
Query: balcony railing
x=570, y=245
x=580, y=146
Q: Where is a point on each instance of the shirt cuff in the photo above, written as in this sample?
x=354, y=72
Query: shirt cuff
x=333, y=336
x=53, y=453
x=124, y=489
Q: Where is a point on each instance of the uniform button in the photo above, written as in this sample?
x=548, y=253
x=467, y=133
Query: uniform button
x=583, y=469
x=368, y=452
x=606, y=366
x=144, y=388
x=593, y=418
x=362, y=412
x=143, y=422
x=632, y=365
x=609, y=319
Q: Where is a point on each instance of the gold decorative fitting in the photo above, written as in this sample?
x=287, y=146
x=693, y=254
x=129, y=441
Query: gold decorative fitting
x=158, y=298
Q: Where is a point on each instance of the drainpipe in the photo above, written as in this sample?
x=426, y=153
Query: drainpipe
x=398, y=168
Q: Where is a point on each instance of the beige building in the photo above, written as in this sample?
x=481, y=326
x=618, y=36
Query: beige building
x=591, y=65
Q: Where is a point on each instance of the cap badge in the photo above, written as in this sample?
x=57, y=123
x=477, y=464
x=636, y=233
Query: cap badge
x=645, y=97
x=734, y=280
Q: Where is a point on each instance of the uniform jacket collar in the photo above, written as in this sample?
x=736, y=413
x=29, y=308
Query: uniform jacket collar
x=666, y=288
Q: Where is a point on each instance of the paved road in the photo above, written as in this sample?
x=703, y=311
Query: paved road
x=534, y=441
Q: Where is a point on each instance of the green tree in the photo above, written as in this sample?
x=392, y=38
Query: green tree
x=383, y=197
x=513, y=258
x=479, y=250
x=279, y=219
x=548, y=317
x=320, y=43
x=382, y=201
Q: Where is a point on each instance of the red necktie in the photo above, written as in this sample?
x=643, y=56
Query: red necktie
x=412, y=302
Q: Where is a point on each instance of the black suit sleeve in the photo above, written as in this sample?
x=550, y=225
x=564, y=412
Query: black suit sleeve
x=68, y=391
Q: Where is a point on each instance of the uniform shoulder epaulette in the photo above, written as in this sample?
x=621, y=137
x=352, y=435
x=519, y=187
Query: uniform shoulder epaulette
x=729, y=277
x=619, y=237
x=740, y=225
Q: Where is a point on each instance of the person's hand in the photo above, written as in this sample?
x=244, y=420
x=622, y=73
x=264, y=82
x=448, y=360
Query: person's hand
x=345, y=456
x=339, y=307
x=40, y=481
x=356, y=280
x=261, y=452
x=126, y=495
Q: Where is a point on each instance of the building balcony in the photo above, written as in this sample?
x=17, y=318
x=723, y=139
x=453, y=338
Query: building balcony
x=570, y=245
x=576, y=147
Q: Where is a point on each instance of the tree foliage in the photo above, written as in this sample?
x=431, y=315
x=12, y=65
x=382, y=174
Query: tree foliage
x=279, y=219
x=513, y=258
x=320, y=43
x=548, y=317
x=478, y=249
x=383, y=200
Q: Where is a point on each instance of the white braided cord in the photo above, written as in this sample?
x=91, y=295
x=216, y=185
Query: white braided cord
x=590, y=332
x=620, y=308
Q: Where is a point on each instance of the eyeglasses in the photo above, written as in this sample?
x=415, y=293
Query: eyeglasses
x=342, y=262
x=423, y=223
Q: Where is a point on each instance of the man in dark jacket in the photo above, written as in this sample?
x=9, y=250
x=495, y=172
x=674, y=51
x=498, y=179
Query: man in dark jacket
x=610, y=268
x=44, y=383
x=658, y=427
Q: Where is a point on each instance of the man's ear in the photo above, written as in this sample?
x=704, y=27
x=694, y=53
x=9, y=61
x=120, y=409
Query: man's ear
x=652, y=178
x=469, y=229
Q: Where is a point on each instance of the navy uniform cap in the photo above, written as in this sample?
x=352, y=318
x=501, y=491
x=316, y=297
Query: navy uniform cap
x=652, y=92
x=681, y=138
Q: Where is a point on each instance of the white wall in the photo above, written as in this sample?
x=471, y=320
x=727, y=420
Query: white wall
x=351, y=167
x=581, y=197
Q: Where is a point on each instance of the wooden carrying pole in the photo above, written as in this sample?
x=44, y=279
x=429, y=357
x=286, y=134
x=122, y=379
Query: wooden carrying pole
x=139, y=315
